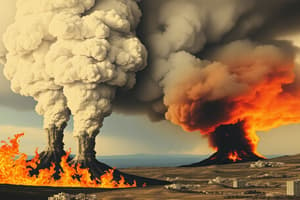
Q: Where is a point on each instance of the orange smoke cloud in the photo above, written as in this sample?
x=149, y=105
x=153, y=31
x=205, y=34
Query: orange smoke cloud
x=249, y=83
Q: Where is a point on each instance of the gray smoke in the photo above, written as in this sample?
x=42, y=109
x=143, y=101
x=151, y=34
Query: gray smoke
x=197, y=29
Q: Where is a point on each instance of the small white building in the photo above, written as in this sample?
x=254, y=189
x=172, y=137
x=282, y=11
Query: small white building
x=237, y=183
x=293, y=188
x=60, y=196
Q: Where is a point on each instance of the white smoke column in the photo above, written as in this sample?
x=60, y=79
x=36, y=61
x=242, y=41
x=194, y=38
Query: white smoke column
x=67, y=55
x=27, y=42
x=93, y=55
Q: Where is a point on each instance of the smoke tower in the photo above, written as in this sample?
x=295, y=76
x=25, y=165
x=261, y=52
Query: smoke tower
x=28, y=42
x=72, y=56
x=106, y=47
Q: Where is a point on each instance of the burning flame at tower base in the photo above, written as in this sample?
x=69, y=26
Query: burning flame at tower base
x=233, y=143
x=15, y=169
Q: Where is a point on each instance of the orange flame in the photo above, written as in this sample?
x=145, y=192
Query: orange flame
x=234, y=156
x=14, y=169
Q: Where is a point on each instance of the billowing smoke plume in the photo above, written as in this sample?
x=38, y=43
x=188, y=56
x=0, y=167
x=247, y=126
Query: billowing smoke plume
x=183, y=26
x=95, y=54
x=207, y=93
x=74, y=54
x=26, y=69
x=244, y=84
x=209, y=67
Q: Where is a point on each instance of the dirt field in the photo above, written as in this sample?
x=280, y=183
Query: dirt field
x=270, y=182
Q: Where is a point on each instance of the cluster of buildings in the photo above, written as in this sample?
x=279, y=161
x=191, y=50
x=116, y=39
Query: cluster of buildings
x=65, y=196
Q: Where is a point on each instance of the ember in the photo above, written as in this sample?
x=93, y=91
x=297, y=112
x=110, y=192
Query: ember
x=234, y=156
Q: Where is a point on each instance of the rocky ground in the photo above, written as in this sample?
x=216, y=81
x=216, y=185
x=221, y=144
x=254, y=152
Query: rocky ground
x=258, y=181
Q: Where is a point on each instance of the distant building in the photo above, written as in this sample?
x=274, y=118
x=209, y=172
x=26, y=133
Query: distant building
x=238, y=183
x=60, y=196
x=293, y=188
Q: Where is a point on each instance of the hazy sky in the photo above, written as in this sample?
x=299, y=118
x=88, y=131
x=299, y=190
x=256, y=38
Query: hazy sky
x=122, y=134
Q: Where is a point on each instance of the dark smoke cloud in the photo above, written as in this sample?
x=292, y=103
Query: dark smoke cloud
x=217, y=25
x=282, y=18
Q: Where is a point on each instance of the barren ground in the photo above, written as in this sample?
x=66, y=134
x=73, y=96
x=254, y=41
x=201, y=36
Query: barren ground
x=199, y=176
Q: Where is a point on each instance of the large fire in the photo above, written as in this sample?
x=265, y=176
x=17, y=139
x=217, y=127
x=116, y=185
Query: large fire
x=14, y=169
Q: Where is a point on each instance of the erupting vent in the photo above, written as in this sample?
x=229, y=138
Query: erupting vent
x=233, y=145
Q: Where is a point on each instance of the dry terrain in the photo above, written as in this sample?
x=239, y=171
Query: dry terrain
x=193, y=183
x=263, y=183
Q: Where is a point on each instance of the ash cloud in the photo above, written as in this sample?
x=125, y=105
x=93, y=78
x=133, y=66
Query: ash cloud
x=200, y=28
x=201, y=95
x=70, y=56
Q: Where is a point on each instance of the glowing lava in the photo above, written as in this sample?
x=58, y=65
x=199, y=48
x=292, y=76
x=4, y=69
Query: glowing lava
x=14, y=169
x=234, y=156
